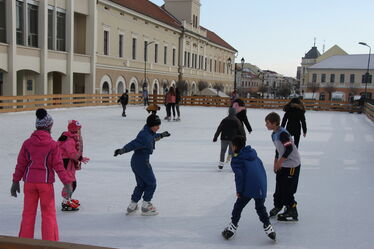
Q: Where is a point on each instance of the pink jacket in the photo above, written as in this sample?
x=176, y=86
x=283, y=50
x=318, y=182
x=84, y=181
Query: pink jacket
x=38, y=160
x=170, y=98
x=71, y=152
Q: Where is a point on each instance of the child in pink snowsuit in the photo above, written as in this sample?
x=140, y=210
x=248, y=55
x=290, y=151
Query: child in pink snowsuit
x=71, y=145
x=37, y=161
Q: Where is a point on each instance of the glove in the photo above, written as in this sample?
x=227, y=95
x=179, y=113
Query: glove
x=165, y=134
x=69, y=190
x=214, y=139
x=14, y=189
x=85, y=160
x=119, y=152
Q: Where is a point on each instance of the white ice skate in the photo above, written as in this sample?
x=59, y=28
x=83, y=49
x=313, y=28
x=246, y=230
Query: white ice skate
x=131, y=209
x=220, y=165
x=229, y=232
x=270, y=232
x=148, y=209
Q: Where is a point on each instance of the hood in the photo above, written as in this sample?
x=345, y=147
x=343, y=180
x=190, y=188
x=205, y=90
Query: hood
x=232, y=112
x=247, y=153
x=40, y=137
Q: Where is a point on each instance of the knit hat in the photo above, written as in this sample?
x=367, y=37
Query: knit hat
x=153, y=120
x=43, y=119
x=74, y=126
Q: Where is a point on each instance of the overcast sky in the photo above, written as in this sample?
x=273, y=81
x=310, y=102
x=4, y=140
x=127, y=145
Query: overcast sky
x=274, y=34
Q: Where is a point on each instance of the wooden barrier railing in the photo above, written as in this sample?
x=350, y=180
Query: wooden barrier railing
x=369, y=111
x=32, y=102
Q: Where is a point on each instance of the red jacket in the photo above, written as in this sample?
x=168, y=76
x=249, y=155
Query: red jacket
x=38, y=160
x=71, y=151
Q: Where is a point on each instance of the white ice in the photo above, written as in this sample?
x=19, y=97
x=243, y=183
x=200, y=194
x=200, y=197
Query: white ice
x=335, y=194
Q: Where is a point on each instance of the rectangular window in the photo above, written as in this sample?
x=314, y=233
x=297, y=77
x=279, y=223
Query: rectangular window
x=20, y=23
x=366, y=80
x=185, y=58
x=120, y=45
x=33, y=25
x=2, y=22
x=134, y=48
x=352, y=78
x=165, y=55
x=145, y=50
x=156, y=53
x=206, y=62
x=342, y=78
x=29, y=85
x=61, y=34
x=106, y=41
x=215, y=66
x=193, y=60
x=323, y=78
x=174, y=52
x=50, y=29
x=210, y=64
x=189, y=59
x=314, y=78
x=332, y=78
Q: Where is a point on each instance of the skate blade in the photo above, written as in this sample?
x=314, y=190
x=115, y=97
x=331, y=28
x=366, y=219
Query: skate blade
x=288, y=221
x=149, y=213
x=131, y=213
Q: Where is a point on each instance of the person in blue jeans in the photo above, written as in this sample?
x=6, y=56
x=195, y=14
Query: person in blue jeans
x=143, y=146
x=250, y=181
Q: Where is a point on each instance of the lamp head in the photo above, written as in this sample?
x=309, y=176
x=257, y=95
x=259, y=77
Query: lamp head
x=242, y=60
x=363, y=43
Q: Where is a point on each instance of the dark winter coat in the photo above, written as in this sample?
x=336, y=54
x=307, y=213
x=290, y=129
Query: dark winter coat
x=124, y=99
x=294, y=119
x=177, y=97
x=250, y=175
x=242, y=116
x=229, y=128
x=143, y=146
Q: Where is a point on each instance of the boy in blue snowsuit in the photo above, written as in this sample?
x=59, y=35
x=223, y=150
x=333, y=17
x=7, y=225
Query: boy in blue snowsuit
x=143, y=146
x=250, y=181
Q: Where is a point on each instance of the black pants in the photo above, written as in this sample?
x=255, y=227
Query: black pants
x=123, y=110
x=170, y=106
x=177, y=108
x=287, y=180
x=241, y=202
x=296, y=138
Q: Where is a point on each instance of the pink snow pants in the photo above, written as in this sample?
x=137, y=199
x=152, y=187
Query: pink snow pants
x=33, y=192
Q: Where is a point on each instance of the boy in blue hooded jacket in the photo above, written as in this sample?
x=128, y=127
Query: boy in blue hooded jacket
x=143, y=146
x=250, y=181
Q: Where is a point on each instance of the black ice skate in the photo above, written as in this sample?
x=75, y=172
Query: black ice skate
x=274, y=211
x=290, y=214
x=229, y=231
x=270, y=232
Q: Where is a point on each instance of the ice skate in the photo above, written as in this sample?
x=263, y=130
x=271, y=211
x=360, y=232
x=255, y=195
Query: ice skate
x=228, y=158
x=273, y=212
x=270, y=232
x=289, y=215
x=75, y=201
x=131, y=209
x=220, y=165
x=229, y=231
x=68, y=205
x=148, y=209
x=178, y=119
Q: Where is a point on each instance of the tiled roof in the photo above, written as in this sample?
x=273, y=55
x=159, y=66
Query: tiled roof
x=158, y=13
x=150, y=9
x=354, y=61
x=313, y=53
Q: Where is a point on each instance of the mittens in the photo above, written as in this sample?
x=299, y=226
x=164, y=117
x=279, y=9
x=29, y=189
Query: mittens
x=119, y=152
x=165, y=134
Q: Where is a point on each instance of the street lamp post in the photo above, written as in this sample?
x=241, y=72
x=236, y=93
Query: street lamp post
x=229, y=65
x=241, y=74
x=367, y=75
x=145, y=62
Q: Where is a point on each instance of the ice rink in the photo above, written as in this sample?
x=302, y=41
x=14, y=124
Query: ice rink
x=195, y=200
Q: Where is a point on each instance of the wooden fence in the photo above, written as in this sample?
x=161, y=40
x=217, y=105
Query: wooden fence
x=32, y=102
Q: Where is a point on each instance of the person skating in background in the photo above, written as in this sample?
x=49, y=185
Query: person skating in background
x=38, y=160
x=251, y=183
x=143, y=146
x=287, y=168
x=170, y=103
x=294, y=119
x=177, y=101
x=124, y=100
x=145, y=96
x=71, y=146
x=228, y=128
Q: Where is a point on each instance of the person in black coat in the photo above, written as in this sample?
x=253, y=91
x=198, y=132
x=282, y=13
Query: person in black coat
x=228, y=128
x=294, y=119
x=124, y=99
x=241, y=113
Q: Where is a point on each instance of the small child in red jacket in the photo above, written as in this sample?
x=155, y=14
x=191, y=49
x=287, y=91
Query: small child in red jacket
x=71, y=145
x=37, y=163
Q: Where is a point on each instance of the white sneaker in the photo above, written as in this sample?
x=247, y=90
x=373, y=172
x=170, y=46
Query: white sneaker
x=131, y=209
x=220, y=165
x=148, y=209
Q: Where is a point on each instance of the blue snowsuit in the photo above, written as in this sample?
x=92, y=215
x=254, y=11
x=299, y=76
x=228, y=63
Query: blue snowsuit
x=143, y=146
x=250, y=180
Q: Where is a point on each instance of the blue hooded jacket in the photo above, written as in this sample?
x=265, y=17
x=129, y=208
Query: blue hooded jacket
x=250, y=175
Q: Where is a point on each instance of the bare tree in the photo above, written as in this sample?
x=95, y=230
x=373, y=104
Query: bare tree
x=201, y=85
x=330, y=89
x=313, y=87
x=263, y=89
